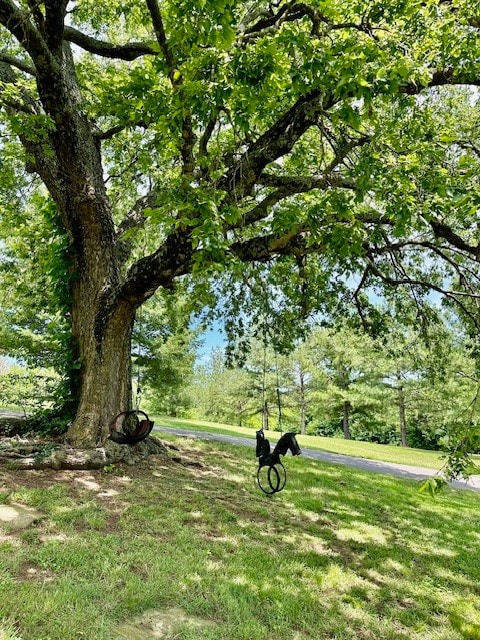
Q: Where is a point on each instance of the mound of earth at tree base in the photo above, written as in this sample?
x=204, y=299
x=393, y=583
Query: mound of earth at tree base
x=37, y=453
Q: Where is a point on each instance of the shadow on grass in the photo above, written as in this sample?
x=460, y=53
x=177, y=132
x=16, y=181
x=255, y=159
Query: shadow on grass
x=339, y=554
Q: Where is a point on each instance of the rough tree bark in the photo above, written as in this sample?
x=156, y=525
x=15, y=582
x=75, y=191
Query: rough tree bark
x=101, y=320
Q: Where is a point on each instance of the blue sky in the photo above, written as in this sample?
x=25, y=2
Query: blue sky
x=213, y=337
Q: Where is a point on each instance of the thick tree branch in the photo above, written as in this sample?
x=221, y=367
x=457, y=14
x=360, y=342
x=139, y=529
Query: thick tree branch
x=171, y=260
x=129, y=51
x=205, y=139
x=188, y=134
x=287, y=186
x=160, y=34
x=55, y=23
x=440, y=78
x=21, y=65
x=18, y=23
x=274, y=143
x=302, y=184
x=267, y=247
x=174, y=259
x=444, y=231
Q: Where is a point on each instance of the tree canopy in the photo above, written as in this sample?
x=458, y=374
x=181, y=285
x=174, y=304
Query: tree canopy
x=301, y=153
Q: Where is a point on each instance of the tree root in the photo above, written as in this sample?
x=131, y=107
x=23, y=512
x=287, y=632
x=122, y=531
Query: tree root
x=22, y=454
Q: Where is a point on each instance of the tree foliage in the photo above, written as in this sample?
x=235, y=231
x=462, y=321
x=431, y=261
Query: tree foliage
x=296, y=157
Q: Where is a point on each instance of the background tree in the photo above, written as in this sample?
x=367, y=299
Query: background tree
x=301, y=375
x=224, y=393
x=348, y=360
x=164, y=353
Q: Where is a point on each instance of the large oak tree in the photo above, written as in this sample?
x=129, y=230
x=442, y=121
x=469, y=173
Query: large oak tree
x=189, y=137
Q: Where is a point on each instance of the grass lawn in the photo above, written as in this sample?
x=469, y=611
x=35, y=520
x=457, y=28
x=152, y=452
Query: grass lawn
x=338, y=555
x=370, y=450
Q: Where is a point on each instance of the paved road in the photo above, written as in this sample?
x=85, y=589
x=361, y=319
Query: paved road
x=390, y=468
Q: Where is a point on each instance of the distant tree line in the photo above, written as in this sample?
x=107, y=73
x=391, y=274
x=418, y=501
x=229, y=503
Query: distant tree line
x=400, y=389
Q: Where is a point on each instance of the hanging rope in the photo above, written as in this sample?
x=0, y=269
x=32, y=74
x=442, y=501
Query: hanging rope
x=264, y=388
x=279, y=400
x=139, y=374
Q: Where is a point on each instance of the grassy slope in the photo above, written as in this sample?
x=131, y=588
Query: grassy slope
x=386, y=453
x=339, y=554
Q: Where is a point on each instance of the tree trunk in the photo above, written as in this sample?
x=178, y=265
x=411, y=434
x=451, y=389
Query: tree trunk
x=401, y=416
x=240, y=415
x=346, y=420
x=101, y=315
x=105, y=375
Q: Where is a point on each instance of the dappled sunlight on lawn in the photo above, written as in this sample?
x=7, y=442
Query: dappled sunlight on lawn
x=341, y=580
x=335, y=556
x=363, y=532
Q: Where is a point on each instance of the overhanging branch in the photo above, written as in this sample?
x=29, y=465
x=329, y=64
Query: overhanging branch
x=444, y=231
x=274, y=143
x=407, y=281
x=302, y=184
x=129, y=51
x=21, y=65
x=17, y=22
x=267, y=247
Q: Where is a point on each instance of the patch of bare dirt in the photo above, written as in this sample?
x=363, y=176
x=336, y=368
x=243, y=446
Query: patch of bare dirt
x=30, y=571
x=160, y=625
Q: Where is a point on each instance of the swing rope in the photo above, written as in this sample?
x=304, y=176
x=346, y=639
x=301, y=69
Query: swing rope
x=139, y=375
x=279, y=400
x=264, y=386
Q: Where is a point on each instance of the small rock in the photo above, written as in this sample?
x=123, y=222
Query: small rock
x=15, y=517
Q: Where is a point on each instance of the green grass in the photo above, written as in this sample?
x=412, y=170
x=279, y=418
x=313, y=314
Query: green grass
x=339, y=554
x=370, y=450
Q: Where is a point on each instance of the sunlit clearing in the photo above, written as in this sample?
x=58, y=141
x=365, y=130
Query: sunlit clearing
x=362, y=532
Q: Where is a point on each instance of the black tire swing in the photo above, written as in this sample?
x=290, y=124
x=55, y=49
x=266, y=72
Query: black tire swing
x=128, y=427
x=271, y=473
x=133, y=426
